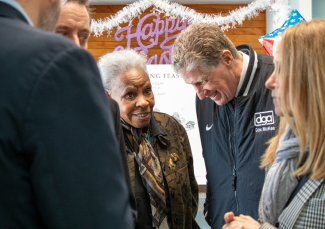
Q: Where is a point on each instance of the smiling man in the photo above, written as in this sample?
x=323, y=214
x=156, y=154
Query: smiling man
x=235, y=115
x=74, y=22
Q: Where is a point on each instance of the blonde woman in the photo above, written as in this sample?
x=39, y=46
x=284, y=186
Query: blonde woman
x=293, y=195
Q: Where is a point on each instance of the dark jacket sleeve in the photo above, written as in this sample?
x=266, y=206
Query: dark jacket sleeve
x=206, y=212
x=120, y=137
x=76, y=169
x=194, y=185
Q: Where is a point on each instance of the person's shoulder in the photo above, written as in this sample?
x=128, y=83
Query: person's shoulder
x=52, y=51
x=35, y=53
x=159, y=116
x=203, y=105
x=265, y=59
x=114, y=108
x=165, y=120
x=56, y=43
x=112, y=102
x=41, y=44
x=262, y=58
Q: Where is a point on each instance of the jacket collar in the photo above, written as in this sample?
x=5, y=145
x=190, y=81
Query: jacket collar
x=252, y=66
x=155, y=128
x=157, y=131
x=10, y=11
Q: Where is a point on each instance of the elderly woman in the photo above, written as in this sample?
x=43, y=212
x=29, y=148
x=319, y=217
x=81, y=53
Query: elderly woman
x=160, y=162
x=294, y=190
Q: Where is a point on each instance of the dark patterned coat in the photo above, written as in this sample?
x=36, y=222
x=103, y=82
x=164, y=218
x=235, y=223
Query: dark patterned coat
x=171, y=144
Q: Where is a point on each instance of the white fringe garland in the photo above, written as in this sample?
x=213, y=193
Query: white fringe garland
x=174, y=10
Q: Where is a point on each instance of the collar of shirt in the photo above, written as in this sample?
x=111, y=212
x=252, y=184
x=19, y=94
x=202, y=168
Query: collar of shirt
x=243, y=72
x=18, y=7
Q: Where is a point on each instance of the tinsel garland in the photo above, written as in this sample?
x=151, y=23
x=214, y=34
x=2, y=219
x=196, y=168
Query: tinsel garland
x=281, y=11
x=128, y=13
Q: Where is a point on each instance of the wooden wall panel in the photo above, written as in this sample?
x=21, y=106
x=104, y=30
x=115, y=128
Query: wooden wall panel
x=248, y=33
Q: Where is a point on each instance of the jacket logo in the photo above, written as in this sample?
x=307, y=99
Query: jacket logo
x=208, y=127
x=263, y=118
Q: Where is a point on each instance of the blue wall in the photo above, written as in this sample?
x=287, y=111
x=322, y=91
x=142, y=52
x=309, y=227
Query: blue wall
x=318, y=9
x=295, y=5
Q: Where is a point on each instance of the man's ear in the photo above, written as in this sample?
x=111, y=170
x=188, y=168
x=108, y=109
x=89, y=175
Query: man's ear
x=227, y=57
x=108, y=93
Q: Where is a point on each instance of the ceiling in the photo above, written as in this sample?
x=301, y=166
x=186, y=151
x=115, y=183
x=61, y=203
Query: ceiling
x=124, y=2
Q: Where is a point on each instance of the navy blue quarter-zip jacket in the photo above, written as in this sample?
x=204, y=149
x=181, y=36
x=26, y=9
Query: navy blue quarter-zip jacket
x=233, y=139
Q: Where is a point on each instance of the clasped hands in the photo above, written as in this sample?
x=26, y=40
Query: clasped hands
x=239, y=222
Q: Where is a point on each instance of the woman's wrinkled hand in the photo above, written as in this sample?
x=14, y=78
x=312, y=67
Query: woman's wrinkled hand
x=239, y=222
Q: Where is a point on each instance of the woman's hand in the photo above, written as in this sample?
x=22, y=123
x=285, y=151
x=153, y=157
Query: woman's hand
x=239, y=222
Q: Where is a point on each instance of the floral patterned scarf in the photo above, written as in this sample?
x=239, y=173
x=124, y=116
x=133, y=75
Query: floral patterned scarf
x=151, y=173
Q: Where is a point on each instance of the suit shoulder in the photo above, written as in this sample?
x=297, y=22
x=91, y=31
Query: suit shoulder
x=36, y=43
x=37, y=51
x=48, y=39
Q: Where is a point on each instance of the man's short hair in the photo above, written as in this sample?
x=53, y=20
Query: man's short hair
x=200, y=47
x=83, y=3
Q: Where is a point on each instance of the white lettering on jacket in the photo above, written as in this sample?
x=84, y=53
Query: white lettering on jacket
x=264, y=118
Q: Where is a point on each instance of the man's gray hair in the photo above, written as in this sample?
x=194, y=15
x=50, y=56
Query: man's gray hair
x=113, y=64
x=200, y=47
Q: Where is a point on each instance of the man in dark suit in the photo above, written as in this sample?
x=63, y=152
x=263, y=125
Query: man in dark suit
x=74, y=23
x=59, y=160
